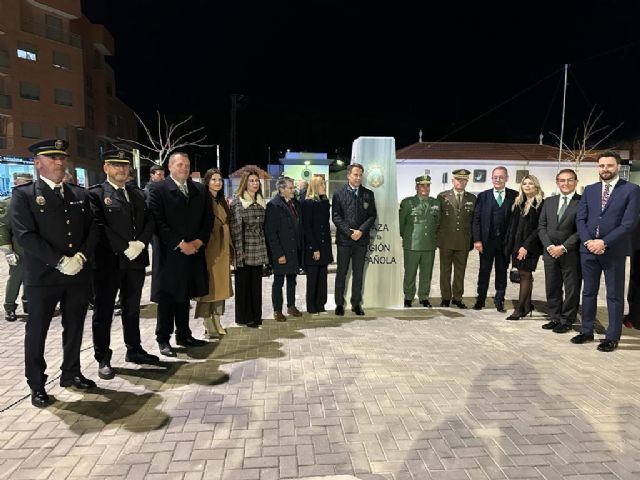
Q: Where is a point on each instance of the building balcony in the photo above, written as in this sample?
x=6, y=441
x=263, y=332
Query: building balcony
x=39, y=28
x=68, y=9
x=5, y=101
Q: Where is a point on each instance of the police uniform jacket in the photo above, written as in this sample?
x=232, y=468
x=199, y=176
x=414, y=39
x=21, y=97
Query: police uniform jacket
x=317, y=232
x=49, y=228
x=119, y=222
x=455, y=223
x=419, y=223
x=283, y=233
x=353, y=212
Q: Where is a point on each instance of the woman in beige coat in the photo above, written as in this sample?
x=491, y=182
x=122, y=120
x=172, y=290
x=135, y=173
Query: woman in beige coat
x=218, y=255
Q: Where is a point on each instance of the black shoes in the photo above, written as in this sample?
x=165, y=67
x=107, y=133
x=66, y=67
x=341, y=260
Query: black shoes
x=582, y=338
x=339, y=310
x=562, y=328
x=166, y=349
x=39, y=398
x=190, y=342
x=105, y=372
x=426, y=303
x=79, y=381
x=550, y=325
x=500, y=307
x=445, y=303
x=458, y=303
x=357, y=310
x=478, y=305
x=11, y=316
x=408, y=303
x=141, y=357
x=607, y=346
x=513, y=316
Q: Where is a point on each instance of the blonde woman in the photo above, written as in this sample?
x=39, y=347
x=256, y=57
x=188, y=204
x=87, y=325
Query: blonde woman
x=522, y=243
x=218, y=257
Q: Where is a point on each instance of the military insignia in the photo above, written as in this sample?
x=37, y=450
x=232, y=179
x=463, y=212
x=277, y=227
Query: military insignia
x=108, y=201
x=40, y=200
x=121, y=154
x=375, y=177
x=365, y=205
x=59, y=144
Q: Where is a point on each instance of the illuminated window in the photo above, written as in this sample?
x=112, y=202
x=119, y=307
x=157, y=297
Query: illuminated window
x=27, y=51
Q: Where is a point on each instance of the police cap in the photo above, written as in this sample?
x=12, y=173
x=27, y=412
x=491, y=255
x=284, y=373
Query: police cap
x=50, y=148
x=117, y=156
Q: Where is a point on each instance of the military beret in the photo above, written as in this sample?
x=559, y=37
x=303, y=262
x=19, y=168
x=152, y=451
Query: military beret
x=117, y=156
x=461, y=174
x=50, y=148
x=423, y=180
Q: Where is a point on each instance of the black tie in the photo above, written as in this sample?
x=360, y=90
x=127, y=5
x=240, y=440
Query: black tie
x=121, y=196
x=58, y=192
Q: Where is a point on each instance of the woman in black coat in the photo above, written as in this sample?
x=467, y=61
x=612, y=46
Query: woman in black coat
x=317, y=243
x=522, y=243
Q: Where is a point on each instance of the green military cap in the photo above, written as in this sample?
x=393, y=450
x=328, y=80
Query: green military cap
x=461, y=174
x=24, y=175
x=423, y=180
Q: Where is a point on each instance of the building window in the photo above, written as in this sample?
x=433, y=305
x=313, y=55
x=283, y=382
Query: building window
x=53, y=27
x=89, y=116
x=27, y=51
x=62, y=97
x=62, y=60
x=88, y=85
x=4, y=58
x=4, y=126
x=30, y=91
x=31, y=130
x=62, y=133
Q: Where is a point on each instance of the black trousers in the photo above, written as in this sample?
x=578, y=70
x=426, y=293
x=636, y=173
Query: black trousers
x=276, y=290
x=346, y=255
x=248, y=294
x=558, y=273
x=106, y=285
x=316, y=287
x=170, y=312
x=74, y=300
x=633, y=294
x=493, y=252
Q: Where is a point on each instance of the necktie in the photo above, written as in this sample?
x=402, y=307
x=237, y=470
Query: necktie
x=355, y=192
x=499, y=199
x=605, y=195
x=120, y=195
x=58, y=192
x=184, y=190
x=562, y=208
x=459, y=199
x=292, y=209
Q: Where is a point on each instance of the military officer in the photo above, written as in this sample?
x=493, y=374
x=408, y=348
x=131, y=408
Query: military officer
x=419, y=222
x=53, y=223
x=126, y=227
x=454, y=237
x=13, y=254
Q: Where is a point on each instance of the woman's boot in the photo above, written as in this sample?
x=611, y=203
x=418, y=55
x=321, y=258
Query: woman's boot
x=218, y=326
x=209, y=327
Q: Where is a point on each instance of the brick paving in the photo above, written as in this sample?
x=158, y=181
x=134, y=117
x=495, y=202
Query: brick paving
x=398, y=394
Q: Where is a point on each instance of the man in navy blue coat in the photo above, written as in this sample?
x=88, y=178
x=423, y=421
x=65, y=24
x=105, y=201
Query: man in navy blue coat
x=490, y=222
x=607, y=215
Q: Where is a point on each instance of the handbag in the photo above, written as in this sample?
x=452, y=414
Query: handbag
x=267, y=270
x=514, y=275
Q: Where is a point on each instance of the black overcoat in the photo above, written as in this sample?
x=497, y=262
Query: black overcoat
x=317, y=232
x=283, y=233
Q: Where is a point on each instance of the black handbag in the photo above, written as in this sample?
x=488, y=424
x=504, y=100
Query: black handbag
x=514, y=275
x=267, y=270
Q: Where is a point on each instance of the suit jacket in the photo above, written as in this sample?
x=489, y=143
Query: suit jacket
x=180, y=218
x=617, y=221
x=284, y=235
x=455, y=222
x=349, y=212
x=48, y=228
x=565, y=232
x=317, y=232
x=120, y=222
x=482, y=213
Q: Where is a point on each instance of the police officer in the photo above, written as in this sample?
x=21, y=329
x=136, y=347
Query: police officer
x=419, y=222
x=454, y=237
x=126, y=227
x=13, y=254
x=53, y=223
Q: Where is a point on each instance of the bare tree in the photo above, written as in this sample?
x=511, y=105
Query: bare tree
x=169, y=137
x=587, y=140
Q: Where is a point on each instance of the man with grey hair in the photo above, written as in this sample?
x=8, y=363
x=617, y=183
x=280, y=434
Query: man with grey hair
x=283, y=231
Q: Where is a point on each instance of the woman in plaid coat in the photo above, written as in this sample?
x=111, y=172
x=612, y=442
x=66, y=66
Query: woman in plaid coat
x=247, y=234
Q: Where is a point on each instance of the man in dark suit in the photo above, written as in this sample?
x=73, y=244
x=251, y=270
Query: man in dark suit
x=54, y=225
x=632, y=319
x=490, y=222
x=184, y=218
x=125, y=226
x=353, y=213
x=559, y=236
x=607, y=216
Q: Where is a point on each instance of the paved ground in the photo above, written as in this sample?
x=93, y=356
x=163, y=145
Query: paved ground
x=397, y=394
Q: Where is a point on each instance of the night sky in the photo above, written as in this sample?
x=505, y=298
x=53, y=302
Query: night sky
x=318, y=74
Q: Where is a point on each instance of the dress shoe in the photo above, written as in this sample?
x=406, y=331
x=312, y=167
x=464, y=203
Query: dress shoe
x=278, y=316
x=607, y=345
x=459, y=304
x=627, y=322
x=11, y=316
x=513, y=316
x=79, y=381
x=166, y=349
x=293, y=311
x=190, y=342
x=478, y=305
x=254, y=325
x=105, y=372
x=500, y=307
x=562, y=328
x=426, y=303
x=339, y=310
x=39, y=398
x=551, y=325
x=582, y=338
x=408, y=304
x=445, y=303
x=357, y=310
x=140, y=357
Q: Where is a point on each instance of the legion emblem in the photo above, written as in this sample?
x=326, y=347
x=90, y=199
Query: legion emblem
x=40, y=200
x=375, y=177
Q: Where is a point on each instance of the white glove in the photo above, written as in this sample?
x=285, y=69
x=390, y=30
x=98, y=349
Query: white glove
x=70, y=265
x=135, y=248
x=12, y=258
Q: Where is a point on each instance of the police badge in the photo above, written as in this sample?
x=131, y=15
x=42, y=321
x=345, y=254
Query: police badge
x=121, y=154
x=108, y=201
x=40, y=200
x=59, y=144
x=375, y=177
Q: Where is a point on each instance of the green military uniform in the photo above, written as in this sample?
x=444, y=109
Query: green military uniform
x=454, y=239
x=419, y=222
